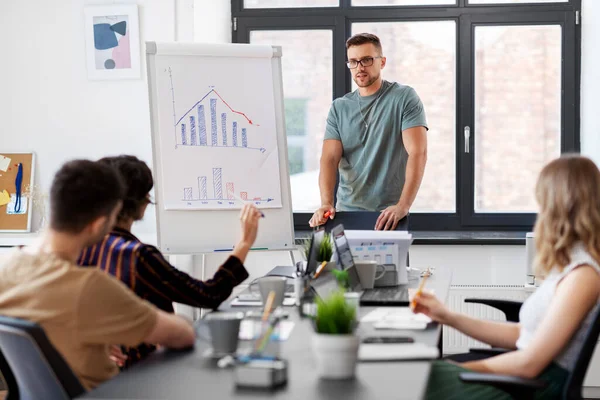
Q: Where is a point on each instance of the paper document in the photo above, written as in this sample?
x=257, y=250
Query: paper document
x=288, y=301
x=4, y=163
x=396, y=318
x=11, y=208
x=252, y=329
x=4, y=197
x=393, y=314
x=400, y=351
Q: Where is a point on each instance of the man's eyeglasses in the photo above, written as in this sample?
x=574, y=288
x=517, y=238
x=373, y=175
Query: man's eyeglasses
x=365, y=62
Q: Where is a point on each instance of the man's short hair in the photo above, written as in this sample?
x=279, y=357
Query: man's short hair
x=137, y=177
x=364, y=38
x=81, y=192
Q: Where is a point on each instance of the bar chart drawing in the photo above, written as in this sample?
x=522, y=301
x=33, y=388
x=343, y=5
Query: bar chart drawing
x=223, y=125
x=201, y=194
x=220, y=146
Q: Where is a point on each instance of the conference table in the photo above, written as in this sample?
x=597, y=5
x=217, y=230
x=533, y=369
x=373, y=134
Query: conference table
x=189, y=374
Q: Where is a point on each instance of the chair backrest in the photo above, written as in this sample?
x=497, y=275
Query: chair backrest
x=39, y=370
x=575, y=379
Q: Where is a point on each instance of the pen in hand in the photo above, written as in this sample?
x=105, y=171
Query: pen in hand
x=413, y=302
x=245, y=201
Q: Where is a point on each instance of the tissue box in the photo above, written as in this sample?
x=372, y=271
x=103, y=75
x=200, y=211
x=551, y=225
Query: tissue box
x=261, y=373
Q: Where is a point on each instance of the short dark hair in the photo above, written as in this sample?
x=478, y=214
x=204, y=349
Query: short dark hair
x=364, y=38
x=82, y=191
x=137, y=177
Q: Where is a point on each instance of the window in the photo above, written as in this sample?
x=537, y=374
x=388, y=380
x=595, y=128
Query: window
x=401, y=2
x=307, y=88
x=423, y=55
x=517, y=112
x=514, y=1
x=289, y=3
x=499, y=81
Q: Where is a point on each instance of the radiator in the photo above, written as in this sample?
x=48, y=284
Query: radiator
x=456, y=342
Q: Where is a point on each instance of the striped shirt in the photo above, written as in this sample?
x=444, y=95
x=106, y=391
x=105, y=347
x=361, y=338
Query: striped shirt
x=144, y=270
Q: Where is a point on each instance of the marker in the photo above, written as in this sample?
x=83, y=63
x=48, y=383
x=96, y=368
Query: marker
x=252, y=248
x=245, y=201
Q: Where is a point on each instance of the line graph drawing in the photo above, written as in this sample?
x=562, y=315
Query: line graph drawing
x=193, y=129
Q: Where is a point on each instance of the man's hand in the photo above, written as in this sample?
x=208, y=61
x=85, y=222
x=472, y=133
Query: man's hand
x=389, y=218
x=319, y=217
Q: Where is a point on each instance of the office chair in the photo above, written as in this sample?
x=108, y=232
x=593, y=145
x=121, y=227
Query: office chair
x=511, y=312
x=31, y=366
x=520, y=388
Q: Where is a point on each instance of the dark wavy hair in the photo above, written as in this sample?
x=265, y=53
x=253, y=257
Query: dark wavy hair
x=138, y=181
x=82, y=191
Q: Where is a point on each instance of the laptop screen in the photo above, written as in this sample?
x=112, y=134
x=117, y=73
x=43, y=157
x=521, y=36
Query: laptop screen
x=345, y=258
x=311, y=259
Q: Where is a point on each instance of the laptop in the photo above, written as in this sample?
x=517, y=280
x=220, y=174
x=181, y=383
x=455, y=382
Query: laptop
x=385, y=296
x=288, y=271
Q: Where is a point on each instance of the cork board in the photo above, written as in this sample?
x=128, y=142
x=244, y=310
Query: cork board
x=8, y=175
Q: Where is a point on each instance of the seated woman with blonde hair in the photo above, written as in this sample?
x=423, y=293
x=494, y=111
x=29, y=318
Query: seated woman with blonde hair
x=554, y=319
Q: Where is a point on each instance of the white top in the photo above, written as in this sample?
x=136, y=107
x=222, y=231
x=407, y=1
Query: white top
x=535, y=307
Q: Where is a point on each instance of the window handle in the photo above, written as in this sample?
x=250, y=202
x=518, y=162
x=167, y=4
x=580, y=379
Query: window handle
x=467, y=138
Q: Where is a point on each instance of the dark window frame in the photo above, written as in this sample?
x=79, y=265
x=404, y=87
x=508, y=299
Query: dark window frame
x=467, y=16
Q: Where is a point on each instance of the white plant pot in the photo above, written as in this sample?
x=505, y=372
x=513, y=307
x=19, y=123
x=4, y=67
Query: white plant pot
x=336, y=355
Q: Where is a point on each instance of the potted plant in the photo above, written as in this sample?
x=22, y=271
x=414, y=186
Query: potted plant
x=324, y=252
x=334, y=343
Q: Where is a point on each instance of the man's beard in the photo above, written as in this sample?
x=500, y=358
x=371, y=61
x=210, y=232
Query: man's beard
x=371, y=81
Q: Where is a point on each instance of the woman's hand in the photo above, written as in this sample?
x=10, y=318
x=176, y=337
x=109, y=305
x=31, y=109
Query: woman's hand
x=249, y=217
x=429, y=305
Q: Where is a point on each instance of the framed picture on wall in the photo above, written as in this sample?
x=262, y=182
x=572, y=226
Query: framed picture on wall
x=112, y=41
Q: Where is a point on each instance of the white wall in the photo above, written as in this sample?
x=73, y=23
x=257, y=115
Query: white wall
x=47, y=103
x=212, y=21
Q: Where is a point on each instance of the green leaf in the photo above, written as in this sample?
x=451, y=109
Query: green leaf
x=334, y=315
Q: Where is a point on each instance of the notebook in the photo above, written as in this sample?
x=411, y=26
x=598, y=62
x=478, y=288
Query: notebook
x=396, y=352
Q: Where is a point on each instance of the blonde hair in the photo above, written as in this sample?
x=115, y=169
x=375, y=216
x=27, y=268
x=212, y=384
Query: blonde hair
x=568, y=193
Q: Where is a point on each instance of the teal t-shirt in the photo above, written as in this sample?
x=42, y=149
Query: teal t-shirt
x=373, y=165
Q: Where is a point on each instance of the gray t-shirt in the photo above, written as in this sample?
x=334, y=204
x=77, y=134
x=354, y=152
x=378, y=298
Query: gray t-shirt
x=536, y=306
x=373, y=165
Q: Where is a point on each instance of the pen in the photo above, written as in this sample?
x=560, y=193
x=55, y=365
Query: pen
x=413, y=303
x=245, y=201
x=321, y=268
x=268, y=305
x=261, y=343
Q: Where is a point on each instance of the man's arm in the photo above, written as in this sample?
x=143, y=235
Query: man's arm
x=415, y=142
x=330, y=160
x=109, y=313
x=171, y=331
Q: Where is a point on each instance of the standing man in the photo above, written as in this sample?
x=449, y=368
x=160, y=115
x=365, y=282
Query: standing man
x=376, y=137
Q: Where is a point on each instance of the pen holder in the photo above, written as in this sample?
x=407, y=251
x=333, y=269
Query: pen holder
x=272, y=346
x=260, y=372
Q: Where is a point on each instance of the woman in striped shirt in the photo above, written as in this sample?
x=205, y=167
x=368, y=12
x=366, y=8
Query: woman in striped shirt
x=145, y=270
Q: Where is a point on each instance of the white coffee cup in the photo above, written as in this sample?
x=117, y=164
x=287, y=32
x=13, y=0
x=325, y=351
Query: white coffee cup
x=224, y=328
x=367, y=273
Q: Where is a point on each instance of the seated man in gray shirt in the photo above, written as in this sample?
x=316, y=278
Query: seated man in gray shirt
x=376, y=136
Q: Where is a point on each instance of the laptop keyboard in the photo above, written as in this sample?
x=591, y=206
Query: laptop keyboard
x=385, y=294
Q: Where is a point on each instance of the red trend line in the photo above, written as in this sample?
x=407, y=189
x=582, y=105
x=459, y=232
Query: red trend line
x=234, y=111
